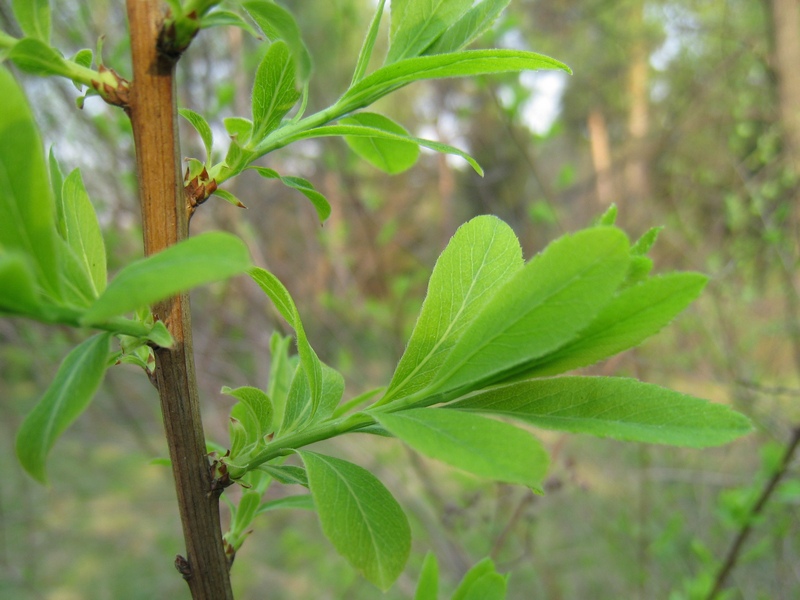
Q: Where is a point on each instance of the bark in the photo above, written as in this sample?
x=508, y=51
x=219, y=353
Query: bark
x=164, y=214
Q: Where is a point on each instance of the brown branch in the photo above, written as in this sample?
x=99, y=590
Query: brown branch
x=153, y=116
x=736, y=547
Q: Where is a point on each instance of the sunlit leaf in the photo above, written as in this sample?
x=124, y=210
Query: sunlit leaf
x=365, y=53
x=482, y=254
x=391, y=156
x=417, y=23
x=196, y=261
x=33, y=17
x=620, y=408
x=69, y=394
x=277, y=23
x=428, y=584
x=36, y=57
x=360, y=517
x=481, y=446
x=219, y=18
x=471, y=24
x=274, y=92
x=202, y=127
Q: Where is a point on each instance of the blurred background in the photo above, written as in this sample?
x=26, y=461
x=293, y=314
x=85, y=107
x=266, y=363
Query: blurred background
x=685, y=113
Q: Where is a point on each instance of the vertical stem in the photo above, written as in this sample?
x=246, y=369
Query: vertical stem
x=164, y=216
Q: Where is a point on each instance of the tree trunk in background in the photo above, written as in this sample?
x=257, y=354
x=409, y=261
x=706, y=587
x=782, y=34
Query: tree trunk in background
x=637, y=176
x=601, y=157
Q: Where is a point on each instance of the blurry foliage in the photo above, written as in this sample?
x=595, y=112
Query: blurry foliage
x=718, y=183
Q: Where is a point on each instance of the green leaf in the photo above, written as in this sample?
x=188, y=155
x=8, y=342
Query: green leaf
x=76, y=284
x=620, y=408
x=26, y=205
x=160, y=335
x=81, y=231
x=17, y=287
x=417, y=23
x=360, y=517
x=482, y=582
x=281, y=370
x=219, y=18
x=480, y=446
x=301, y=501
x=277, y=23
x=320, y=202
x=609, y=217
x=196, y=261
x=372, y=132
x=239, y=128
x=365, y=54
x=390, y=156
x=228, y=197
x=33, y=17
x=299, y=406
x=632, y=316
x=202, y=127
x=280, y=297
x=482, y=254
x=286, y=474
x=69, y=394
x=539, y=309
x=57, y=184
x=428, y=584
x=467, y=63
x=274, y=92
x=644, y=243
x=34, y=56
x=471, y=25
x=256, y=405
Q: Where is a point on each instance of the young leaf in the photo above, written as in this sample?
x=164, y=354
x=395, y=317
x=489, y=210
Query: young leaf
x=644, y=243
x=480, y=446
x=615, y=407
x=33, y=17
x=280, y=297
x=471, y=25
x=277, y=23
x=388, y=155
x=417, y=23
x=482, y=582
x=202, y=127
x=69, y=394
x=195, y=261
x=256, y=404
x=57, y=184
x=239, y=128
x=360, y=517
x=302, y=501
x=286, y=474
x=303, y=186
x=632, y=316
x=228, y=197
x=428, y=584
x=538, y=310
x=372, y=132
x=82, y=231
x=369, y=43
x=467, y=63
x=26, y=203
x=34, y=56
x=281, y=370
x=76, y=283
x=482, y=254
x=299, y=407
x=219, y=18
x=17, y=287
x=274, y=92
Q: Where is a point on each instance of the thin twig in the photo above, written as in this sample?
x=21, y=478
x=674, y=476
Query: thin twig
x=733, y=552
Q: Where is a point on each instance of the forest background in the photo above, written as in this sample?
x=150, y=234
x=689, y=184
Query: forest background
x=685, y=113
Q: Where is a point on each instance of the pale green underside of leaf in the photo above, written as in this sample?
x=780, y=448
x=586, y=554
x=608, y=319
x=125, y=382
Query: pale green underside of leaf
x=82, y=231
x=480, y=446
x=360, y=517
x=482, y=254
x=372, y=132
x=619, y=408
x=69, y=394
x=390, y=156
x=301, y=501
x=539, y=309
x=467, y=63
x=196, y=261
x=27, y=210
x=282, y=300
x=417, y=23
x=632, y=316
x=320, y=202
